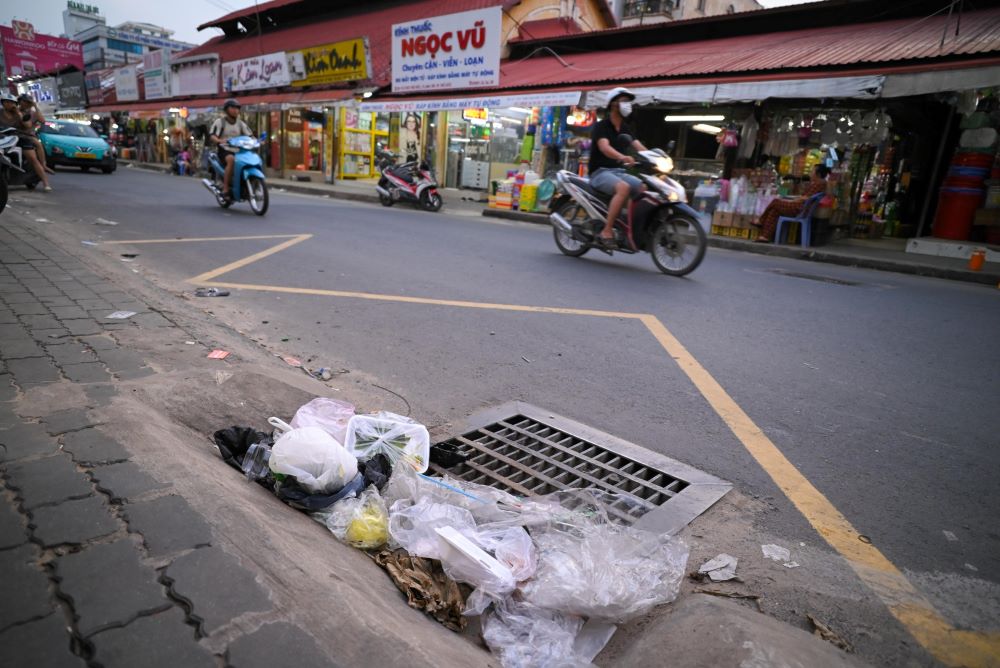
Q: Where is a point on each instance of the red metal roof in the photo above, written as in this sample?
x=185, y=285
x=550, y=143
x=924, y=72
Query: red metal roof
x=297, y=97
x=375, y=25
x=546, y=29
x=884, y=42
x=247, y=11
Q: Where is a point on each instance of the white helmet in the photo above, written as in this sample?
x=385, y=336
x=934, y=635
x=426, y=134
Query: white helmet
x=6, y=96
x=621, y=91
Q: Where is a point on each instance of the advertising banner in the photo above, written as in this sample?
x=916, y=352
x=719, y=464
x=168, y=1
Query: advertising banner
x=156, y=71
x=454, y=51
x=127, y=83
x=265, y=71
x=72, y=92
x=329, y=63
x=44, y=92
x=195, y=78
x=462, y=103
x=28, y=53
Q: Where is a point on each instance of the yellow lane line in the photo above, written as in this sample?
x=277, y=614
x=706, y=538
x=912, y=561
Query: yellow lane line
x=410, y=300
x=232, y=266
x=187, y=239
x=949, y=645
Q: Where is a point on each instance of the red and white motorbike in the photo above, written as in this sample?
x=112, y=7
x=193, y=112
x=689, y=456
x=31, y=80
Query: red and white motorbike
x=409, y=182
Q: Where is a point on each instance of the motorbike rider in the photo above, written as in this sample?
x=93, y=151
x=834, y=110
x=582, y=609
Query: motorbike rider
x=606, y=173
x=27, y=106
x=226, y=127
x=12, y=117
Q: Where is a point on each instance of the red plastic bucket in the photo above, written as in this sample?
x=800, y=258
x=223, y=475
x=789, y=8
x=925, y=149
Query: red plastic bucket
x=967, y=182
x=955, y=212
x=973, y=160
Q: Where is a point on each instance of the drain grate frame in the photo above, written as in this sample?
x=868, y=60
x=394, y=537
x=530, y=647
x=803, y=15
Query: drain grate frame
x=527, y=451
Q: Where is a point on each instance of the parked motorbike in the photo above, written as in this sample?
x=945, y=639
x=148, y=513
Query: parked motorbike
x=409, y=182
x=14, y=169
x=248, y=176
x=659, y=221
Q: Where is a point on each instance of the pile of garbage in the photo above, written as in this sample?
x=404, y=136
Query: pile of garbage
x=550, y=576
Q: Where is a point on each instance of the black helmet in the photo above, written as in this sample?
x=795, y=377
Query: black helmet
x=231, y=102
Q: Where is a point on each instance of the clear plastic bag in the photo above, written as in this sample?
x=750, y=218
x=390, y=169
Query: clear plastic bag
x=512, y=547
x=525, y=636
x=255, y=460
x=487, y=505
x=412, y=526
x=361, y=521
x=395, y=436
x=591, y=567
x=318, y=463
x=330, y=415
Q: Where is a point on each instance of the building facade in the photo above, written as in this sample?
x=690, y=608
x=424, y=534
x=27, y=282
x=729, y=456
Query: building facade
x=105, y=46
x=645, y=12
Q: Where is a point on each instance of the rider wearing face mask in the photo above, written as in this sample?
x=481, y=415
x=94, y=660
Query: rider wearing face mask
x=606, y=173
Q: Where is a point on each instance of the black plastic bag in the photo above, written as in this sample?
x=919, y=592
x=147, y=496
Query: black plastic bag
x=289, y=491
x=376, y=471
x=234, y=442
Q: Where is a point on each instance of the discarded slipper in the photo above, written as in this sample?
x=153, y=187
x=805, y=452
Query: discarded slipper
x=211, y=292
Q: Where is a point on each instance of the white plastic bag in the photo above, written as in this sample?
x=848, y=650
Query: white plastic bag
x=313, y=457
x=524, y=636
x=395, y=436
x=604, y=571
x=361, y=521
x=464, y=561
x=512, y=547
x=412, y=526
x=330, y=415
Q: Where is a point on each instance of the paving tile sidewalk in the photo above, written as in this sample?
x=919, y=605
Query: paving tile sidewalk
x=102, y=564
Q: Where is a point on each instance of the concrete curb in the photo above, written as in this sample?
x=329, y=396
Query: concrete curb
x=813, y=254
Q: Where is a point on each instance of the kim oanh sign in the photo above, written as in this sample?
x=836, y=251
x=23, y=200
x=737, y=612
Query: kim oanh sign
x=455, y=51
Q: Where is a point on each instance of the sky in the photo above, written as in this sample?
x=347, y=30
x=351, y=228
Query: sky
x=181, y=16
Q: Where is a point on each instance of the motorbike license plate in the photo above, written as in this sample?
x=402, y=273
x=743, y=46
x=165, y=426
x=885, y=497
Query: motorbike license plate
x=86, y=155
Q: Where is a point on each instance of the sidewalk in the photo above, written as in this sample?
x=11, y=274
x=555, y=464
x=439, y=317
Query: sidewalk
x=883, y=255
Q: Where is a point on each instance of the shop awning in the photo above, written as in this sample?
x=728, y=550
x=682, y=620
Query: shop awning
x=296, y=98
x=556, y=98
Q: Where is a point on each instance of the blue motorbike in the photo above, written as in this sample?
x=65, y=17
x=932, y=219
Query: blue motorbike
x=248, y=176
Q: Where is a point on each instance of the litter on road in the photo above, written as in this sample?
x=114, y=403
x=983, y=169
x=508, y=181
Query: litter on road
x=218, y=355
x=120, y=315
x=719, y=569
x=550, y=576
x=211, y=292
x=105, y=221
x=776, y=552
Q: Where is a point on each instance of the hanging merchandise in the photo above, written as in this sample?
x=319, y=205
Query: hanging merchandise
x=395, y=436
x=748, y=137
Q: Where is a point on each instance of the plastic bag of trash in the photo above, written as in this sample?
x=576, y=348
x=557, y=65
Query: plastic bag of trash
x=399, y=438
x=295, y=495
x=590, y=566
x=412, y=526
x=313, y=457
x=512, y=547
x=330, y=415
x=362, y=521
x=487, y=505
x=526, y=636
x=234, y=442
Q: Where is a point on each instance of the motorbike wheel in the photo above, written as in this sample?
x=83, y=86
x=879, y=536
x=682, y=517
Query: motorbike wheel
x=677, y=245
x=384, y=200
x=571, y=211
x=257, y=194
x=430, y=201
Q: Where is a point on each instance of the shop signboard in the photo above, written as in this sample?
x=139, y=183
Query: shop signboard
x=44, y=92
x=477, y=116
x=455, y=51
x=27, y=53
x=127, y=83
x=556, y=99
x=101, y=86
x=156, y=70
x=267, y=71
x=72, y=91
x=329, y=63
x=195, y=77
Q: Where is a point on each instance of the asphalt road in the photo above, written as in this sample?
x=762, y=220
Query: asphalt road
x=880, y=388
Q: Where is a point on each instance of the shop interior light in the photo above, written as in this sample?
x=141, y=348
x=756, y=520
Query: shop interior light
x=521, y=110
x=96, y=117
x=697, y=118
x=367, y=94
x=707, y=129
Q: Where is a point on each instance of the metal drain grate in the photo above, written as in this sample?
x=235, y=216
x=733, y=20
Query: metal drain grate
x=528, y=451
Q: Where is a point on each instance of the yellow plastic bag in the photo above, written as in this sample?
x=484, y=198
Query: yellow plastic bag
x=362, y=522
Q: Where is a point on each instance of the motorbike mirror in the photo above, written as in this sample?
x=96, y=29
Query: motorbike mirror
x=670, y=145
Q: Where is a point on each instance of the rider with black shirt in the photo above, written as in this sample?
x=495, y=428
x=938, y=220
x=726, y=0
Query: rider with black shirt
x=606, y=173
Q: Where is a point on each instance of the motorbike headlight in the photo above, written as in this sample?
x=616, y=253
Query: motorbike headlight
x=664, y=164
x=673, y=197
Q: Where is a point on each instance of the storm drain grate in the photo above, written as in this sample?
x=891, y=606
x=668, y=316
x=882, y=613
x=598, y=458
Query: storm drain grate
x=527, y=451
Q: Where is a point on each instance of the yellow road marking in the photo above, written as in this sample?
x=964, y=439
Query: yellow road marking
x=232, y=266
x=187, y=239
x=915, y=612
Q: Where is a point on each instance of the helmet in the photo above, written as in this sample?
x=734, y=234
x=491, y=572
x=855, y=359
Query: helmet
x=25, y=98
x=621, y=91
x=7, y=97
x=231, y=102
